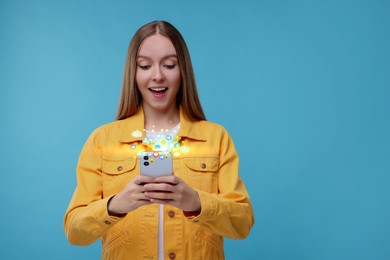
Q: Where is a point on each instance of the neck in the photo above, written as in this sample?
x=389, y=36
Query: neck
x=161, y=119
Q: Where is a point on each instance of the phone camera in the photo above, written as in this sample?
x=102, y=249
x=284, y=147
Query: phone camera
x=146, y=157
x=146, y=163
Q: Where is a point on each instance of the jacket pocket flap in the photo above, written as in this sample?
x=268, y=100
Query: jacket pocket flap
x=116, y=167
x=202, y=164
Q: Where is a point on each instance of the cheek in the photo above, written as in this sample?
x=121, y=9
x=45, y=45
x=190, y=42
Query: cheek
x=140, y=79
x=176, y=79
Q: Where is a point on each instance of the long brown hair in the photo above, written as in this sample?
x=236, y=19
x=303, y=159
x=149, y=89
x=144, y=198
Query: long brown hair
x=187, y=97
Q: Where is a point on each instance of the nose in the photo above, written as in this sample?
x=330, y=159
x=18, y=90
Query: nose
x=158, y=75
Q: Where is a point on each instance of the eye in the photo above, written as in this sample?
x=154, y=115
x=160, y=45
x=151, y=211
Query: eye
x=144, y=67
x=170, y=66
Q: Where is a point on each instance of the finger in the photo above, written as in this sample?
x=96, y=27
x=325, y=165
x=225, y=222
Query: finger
x=142, y=197
x=165, y=202
x=168, y=179
x=162, y=187
x=141, y=179
x=159, y=196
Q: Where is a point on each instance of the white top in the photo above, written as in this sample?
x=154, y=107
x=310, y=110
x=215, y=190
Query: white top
x=158, y=135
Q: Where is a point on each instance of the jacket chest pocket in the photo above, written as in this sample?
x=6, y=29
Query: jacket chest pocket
x=117, y=174
x=202, y=173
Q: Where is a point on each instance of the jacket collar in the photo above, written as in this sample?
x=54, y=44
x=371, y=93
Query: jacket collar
x=134, y=129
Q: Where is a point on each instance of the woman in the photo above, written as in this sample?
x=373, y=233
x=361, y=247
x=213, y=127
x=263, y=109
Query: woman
x=181, y=216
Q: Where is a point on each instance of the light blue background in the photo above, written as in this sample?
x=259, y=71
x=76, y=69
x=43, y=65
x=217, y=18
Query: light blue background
x=302, y=86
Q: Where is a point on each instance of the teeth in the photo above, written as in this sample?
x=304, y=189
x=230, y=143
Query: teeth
x=157, y=89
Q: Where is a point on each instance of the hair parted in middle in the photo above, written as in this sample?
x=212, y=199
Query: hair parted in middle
x=187, y=97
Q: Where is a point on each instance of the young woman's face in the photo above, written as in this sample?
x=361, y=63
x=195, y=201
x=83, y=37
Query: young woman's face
x=158, y=74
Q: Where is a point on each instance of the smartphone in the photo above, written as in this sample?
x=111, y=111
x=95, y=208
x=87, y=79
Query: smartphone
x=155, y=164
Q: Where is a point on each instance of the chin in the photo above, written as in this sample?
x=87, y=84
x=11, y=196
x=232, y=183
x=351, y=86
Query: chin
x=160, y=107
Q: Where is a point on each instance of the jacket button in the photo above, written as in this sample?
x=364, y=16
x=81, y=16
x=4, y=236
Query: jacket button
x=172, y=255
x=107, y=222
x=203, y=166
x=171, y=213
x=119, y=168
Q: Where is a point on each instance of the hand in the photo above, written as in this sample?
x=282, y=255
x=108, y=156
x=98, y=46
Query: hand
x=171, y=190
x=131, y=197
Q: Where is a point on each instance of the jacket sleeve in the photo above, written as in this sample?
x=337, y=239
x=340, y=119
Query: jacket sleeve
x=87, y=218
x=228, y=213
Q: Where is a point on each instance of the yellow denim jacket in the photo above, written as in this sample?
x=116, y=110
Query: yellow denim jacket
x=209, y=164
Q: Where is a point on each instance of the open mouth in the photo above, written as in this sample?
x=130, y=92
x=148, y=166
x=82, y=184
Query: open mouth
x=158, y=90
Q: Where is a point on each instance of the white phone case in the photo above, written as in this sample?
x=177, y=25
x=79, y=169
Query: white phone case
x=155, y=164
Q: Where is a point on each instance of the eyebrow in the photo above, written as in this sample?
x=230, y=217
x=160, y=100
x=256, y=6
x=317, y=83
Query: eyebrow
x=165, y=57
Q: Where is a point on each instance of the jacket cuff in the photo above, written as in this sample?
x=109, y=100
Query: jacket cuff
x=103, y=218
x=208, y=204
